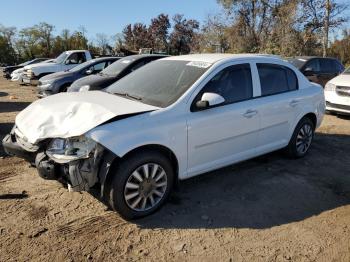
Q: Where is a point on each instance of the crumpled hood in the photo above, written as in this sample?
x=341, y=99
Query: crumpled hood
x=72, y=114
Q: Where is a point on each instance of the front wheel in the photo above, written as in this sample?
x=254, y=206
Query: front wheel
x=141, y=184
x=302, y=138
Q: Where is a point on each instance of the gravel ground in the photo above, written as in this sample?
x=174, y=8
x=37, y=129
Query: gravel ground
x=270, y=208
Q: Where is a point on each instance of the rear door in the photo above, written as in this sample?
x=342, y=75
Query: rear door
x=278, y=106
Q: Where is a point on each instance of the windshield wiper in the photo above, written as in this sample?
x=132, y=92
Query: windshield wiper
x=128, y=96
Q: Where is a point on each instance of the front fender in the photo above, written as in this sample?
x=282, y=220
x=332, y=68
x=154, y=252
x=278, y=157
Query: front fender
x=124, y=136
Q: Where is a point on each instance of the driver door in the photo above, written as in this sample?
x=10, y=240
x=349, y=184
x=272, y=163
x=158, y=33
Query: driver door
x=226, y=133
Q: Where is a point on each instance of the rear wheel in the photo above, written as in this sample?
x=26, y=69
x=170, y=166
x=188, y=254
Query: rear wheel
x=141, y=184
x=302, y=138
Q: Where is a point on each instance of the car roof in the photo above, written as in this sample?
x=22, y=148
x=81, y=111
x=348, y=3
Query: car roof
x=214, y=58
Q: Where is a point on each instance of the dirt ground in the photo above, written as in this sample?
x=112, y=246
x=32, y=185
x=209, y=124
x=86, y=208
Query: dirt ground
x=267, y=209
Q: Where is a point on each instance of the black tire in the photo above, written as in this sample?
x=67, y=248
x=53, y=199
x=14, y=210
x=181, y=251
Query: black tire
x=292, y=148
x=122, y=173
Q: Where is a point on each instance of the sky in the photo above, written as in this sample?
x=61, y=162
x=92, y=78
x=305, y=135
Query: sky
x=104, y=16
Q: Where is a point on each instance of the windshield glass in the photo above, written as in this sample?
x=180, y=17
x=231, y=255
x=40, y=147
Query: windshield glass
x=61, y=58
x=347, y=71
x=161, y=82
x=117, y=67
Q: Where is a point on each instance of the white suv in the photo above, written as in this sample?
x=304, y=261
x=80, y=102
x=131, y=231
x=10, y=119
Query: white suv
x=175, y=118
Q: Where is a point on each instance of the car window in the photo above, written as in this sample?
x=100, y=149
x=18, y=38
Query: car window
x=73, y=58
x=109, y=62
x=99, y=67
x=77, y=58
x=81, y=58
x=137, y=66
x=339, y=66
x=328, y=65
x=275, y=79
x=234, y=84
x=314, y=65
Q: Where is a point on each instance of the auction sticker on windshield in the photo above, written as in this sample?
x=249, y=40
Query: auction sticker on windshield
x=199, y=64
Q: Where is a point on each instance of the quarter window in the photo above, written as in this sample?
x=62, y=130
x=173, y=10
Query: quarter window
x=234, y=84
x=275, y=79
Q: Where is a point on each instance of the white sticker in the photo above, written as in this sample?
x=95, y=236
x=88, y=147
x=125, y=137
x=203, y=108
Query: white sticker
x=126, y=61
x=199, y=64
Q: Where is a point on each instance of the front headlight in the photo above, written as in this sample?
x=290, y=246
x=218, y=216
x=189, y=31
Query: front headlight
x=84, y=88
x=45, y=85
x=330, y=87
x=70, y=149
x=29, y=72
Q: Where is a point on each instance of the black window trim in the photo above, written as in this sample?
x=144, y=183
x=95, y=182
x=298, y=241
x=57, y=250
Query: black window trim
x=296, y=76
x=193, y=108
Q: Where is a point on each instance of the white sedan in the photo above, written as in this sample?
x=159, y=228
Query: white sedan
x=337, y=93
x=173, y=119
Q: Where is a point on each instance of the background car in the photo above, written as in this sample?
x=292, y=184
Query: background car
x=60, y=81
x=113, y=73
x=318, y=69
x=9, y=69
x=65, y=61
x=337, y=94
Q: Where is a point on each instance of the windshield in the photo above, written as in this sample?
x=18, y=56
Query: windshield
x=161, y=82
x=117, y=67
x=347, y=71
x=61, y=58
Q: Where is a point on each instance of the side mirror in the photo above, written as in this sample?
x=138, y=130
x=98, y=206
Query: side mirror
x=208, y=100
x=88, y=72
x=67, y=62
x=308, y=71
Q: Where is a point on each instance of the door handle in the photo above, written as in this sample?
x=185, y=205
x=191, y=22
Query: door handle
x=294, y=103
x=250, y=113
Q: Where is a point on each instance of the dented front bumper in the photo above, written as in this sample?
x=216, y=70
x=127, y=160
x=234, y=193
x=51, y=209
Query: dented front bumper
x=79, y=174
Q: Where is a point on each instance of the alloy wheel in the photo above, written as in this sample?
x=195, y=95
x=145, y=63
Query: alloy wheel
x=145, y=187
x=304, y=139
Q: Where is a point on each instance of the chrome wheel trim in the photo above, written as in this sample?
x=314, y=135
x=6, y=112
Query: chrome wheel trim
x=145, y=187
x=304, y=139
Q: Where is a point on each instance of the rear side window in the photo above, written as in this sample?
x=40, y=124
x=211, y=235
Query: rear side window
x=313, y=65
x=275, y=79
x=234, y=84
x=328, y=65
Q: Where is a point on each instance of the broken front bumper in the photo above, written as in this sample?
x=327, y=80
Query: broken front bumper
x=12, y=148
x=80, y=174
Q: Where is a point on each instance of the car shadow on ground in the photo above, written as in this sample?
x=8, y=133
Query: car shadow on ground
x=267, y=191
x=7, y=107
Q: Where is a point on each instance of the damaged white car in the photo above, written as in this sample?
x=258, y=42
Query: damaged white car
x=170, y=120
